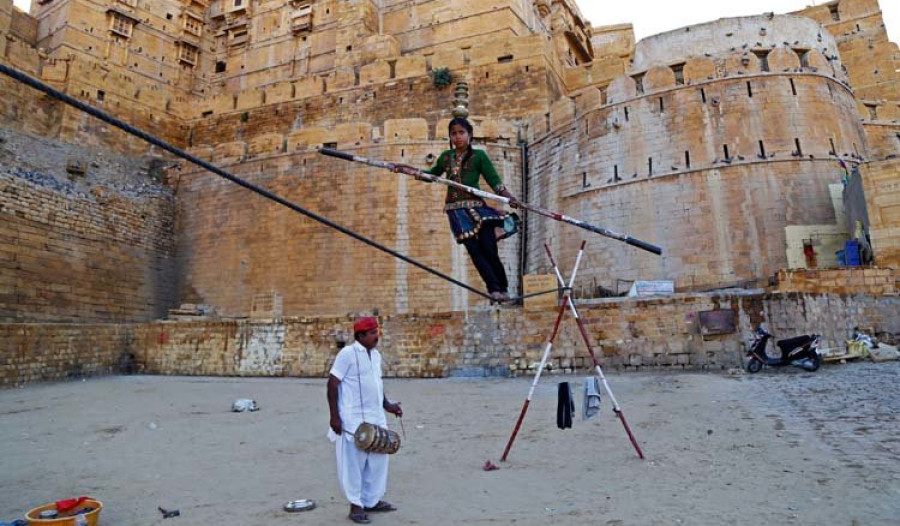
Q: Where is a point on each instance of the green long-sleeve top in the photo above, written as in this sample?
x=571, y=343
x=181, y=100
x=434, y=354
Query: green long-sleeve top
x=477, y=166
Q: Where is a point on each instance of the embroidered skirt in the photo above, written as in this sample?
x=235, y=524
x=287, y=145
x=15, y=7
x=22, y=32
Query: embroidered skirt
x=467, y=222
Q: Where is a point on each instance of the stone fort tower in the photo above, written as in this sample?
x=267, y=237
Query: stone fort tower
x=720, y=142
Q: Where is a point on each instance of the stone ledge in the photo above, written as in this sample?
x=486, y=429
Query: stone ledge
x=627, y=334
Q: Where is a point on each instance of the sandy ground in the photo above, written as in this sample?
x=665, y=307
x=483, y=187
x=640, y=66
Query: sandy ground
x=779, y=447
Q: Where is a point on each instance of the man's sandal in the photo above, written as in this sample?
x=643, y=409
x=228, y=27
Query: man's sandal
x=382, y=506
x=359, y=518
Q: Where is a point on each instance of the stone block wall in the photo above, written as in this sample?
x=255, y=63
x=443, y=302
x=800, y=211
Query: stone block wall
x=720, y=121
x=833, y=316
x=23, y=27
x=594, y=76
x=383, y=94
x=716, y=227
x=616, y=40
x=145, y=46
x=85, y=259
x=122, y=94
x=739, y=37
x=883, y=134
x=627, y=334
x=424, y=27
x=234, y=245
x=116, y=93
x=6, y=13
x=38, y=352
x=256, y=44
x=136, y=74
x=420, y=347
x=868, y=281
x=18, y=33
x=22, y=56
x=881, y=183
x=81, y=247
x=643, y=153
x=863, y=44
x=24, y=110
x=685, y=163
x=756, y=119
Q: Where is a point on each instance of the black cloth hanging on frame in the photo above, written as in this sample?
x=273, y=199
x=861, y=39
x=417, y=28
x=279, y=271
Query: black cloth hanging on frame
x=565, y=407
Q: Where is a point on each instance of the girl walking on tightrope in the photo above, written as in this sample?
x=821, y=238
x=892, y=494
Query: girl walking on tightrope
x=473, y=222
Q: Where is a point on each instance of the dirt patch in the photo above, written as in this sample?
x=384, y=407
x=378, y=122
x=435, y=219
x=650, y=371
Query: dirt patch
x=718, y=450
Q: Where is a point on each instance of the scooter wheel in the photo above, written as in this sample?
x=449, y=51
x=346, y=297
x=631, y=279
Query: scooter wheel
x=815, y=362
x=754, y=366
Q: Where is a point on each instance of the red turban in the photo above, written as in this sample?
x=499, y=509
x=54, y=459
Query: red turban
x=365, y=324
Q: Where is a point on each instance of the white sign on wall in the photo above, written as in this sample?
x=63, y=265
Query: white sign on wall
x=651, y=288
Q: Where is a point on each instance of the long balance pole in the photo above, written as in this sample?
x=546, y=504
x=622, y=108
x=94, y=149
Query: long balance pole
x=488, y=195
x=587, y=341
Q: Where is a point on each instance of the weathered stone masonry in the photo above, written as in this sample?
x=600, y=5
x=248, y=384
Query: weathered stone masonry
x=719, y=142
x=257, y=246
x=83, y=249
x=698, y=139
x=627, y=335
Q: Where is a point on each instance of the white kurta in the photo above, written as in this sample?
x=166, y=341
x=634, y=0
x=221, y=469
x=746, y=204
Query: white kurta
x=362, y=476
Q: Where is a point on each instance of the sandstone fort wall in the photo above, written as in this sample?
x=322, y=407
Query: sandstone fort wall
x=713, y=171
x=713, y=143
x=657, y=334
x=711, y=125
x=53, y=352
x=83, y=259
x=882, y=182
x=78, y=249
x=871, y=59
x=256, y=246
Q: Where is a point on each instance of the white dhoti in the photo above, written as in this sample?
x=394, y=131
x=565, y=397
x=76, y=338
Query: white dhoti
x=362, y=476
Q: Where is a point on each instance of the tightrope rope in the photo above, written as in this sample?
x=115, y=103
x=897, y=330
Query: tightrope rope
x=56, y=94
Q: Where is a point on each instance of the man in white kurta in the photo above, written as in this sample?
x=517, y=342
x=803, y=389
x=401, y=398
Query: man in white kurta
x=356, y=395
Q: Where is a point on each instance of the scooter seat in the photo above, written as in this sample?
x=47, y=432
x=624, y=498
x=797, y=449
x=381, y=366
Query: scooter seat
x=793, y=343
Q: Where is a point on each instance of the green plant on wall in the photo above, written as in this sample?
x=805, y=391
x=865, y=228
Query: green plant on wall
x=441, y=77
